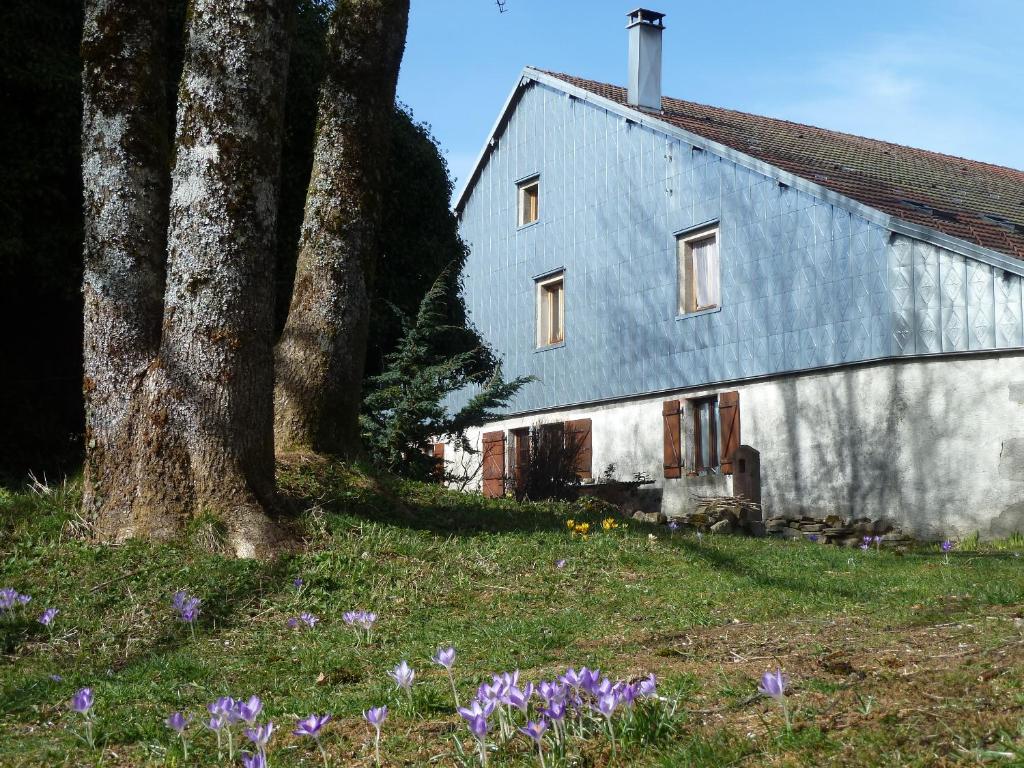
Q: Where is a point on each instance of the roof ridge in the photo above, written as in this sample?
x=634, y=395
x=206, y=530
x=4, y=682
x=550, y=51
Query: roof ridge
x=995, y=166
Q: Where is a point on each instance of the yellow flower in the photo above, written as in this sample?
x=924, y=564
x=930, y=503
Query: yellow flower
x=608, y=523
x=583, y=528
x=570, y=523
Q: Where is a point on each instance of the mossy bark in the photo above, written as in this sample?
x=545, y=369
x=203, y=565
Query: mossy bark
x=194, y=431
x=321, y=354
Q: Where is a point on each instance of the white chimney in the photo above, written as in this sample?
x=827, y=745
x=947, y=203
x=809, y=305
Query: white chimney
x=645, y=28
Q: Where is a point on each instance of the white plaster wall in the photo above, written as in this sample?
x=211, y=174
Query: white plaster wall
x=935, y=444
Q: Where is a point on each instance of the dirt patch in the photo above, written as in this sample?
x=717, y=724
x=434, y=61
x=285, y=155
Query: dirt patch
x=929, y=686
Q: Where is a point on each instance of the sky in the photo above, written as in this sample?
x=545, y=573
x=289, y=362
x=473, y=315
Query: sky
x=945, y=75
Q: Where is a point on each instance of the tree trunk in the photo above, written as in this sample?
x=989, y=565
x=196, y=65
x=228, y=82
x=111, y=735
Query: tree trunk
x=321, y=354
x=124, y=169
x=200, y=422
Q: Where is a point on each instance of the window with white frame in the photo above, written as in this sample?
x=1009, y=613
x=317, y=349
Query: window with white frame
x=529, y=201
x=700, y=285
x=551, y=310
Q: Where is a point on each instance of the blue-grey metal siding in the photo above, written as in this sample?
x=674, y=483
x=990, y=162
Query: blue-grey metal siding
x=805, y=283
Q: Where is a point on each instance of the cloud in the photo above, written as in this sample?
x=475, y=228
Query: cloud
x=938, y=94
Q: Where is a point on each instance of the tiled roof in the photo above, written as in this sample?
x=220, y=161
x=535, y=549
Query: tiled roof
x=974, y=201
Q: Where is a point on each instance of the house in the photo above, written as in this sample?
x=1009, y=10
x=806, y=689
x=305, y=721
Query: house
x=684, y=279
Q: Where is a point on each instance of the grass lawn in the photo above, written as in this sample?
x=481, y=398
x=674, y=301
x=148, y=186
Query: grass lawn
x=894, y=659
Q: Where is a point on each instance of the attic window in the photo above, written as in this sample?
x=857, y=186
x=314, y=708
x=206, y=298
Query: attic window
x=1001, y=221
x=529, y=201
x=928, y=210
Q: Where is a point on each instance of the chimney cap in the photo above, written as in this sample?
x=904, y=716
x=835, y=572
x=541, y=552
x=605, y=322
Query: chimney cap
x=644, y=16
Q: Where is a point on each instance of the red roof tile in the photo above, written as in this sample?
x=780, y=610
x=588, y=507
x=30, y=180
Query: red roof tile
x=971, y=200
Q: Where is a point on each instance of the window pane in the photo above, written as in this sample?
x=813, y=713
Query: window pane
x=556, y=313
x=705, y=434
x=706, y=284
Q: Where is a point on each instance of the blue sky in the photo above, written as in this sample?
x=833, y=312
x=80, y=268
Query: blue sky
x=946, y=75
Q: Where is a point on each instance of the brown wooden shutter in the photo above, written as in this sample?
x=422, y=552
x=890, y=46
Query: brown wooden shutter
x=673, y=462
x=494, y=464
x=438, y=454
x=579, y=432
x=729, y=422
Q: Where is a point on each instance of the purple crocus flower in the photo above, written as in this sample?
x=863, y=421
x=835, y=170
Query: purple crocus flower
x=773, y=684
x=551, y=691
x=57, y=678
x=82, y=701
x=310, y=726
x=293, y=622
x=297, y=583
x=376, y=717
x=48, y=616
x=648, y=686
x=309, y=619
x=535, y=730
x=10, y=598
x=477, y=726
x=560, y=564
x=187, y=608
x=403, y=675
x=249, y=710
x=260, y=735
x=477, y=708
x=177, y=722
x=673, y=526
x=607, y=703
x=224, y=706
x=519, y=697
x=571, y=678
x=554, y=711
x=589, y=678
x=444, y=657
x=947, y=545
x=257, y=760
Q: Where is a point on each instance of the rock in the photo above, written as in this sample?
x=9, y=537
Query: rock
x=812, y=527
x=655, y=518
x=755, y=528
x=791, y=533
x=722, y=526
x=833, y=521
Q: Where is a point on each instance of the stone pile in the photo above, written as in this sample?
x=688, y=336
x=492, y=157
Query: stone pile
x=724, y=514
x=734, y=514
x=847, y=532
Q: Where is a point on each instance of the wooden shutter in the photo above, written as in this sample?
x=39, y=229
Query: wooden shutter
x=437, y=452
x=579, y=433
x=494, y=464
x=729, y=431
x=520, y=456
x=673, y=462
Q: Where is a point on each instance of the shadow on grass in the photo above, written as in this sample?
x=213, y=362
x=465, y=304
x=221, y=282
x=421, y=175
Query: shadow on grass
x=222, y=584
x=389, y=500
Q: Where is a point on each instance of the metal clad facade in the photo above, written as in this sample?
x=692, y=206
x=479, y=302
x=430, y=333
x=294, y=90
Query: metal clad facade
x=804, y=283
